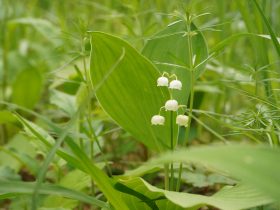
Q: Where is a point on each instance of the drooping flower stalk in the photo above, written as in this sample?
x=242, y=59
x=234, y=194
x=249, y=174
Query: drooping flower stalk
x=171, y=106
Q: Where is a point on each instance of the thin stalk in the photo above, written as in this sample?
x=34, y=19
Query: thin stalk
x=228, y=125
x=92, y=187
x=191, y=68
x=192, y=80
x=109, y=170
x=166, y=176
x=271, y=32
x=5, y=43
x=256, y=83
x=274, y=138
x=94, y=138
x=254, y=24
x=92, y=133
x=179, y=177
x=210, y=130
x=172, y=148
x=81, y=142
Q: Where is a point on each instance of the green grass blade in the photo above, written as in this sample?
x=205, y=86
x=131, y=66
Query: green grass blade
x=101, y=179
x=49, y=157
x=222, y=44
x=271, y=32
x=83, y=163
x=123, y=188
x=67, y=157
x=11, y=189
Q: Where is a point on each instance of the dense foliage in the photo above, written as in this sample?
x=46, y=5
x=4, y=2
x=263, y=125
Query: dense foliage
x=139, y=104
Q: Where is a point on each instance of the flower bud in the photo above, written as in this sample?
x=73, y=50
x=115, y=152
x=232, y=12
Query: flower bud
x=175, y=84
x=182, y=120
x=157, y=120
x=162, y=81
x=171, y=105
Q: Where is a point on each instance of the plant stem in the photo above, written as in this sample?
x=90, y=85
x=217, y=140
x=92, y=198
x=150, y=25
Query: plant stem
x=191, y=67
x=5, y=43
x=192, y=78
x=166, y=176
x=179, y=177
x=81, y=142
x=92, y=133
x=172, y=148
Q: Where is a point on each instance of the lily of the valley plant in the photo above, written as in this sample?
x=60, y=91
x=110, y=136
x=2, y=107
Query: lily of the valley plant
x=171, y=104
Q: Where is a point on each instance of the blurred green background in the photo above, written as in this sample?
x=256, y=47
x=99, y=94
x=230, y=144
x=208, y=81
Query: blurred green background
x=44, y=50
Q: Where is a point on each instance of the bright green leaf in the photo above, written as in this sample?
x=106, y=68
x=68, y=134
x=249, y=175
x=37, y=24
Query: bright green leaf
x=129, y=93
x=229, y=198
x=169, y=50
x=254, y=166
x=9, y=188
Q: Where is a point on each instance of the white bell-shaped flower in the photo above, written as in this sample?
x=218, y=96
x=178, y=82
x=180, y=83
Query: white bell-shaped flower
x=175, y=84
x=162, y=81
x=171, y=105
x=157, y=120
x=182, y=120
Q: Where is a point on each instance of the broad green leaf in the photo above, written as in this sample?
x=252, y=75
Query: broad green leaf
x=229, y=198
x=169, y=50
x=129, y=94
x=10, y=189
x=253, y=166
x=27, y=88
x=138, y=196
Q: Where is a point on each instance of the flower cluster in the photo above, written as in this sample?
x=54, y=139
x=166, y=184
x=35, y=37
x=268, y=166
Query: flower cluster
x=172, y=104
x=174, y=84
